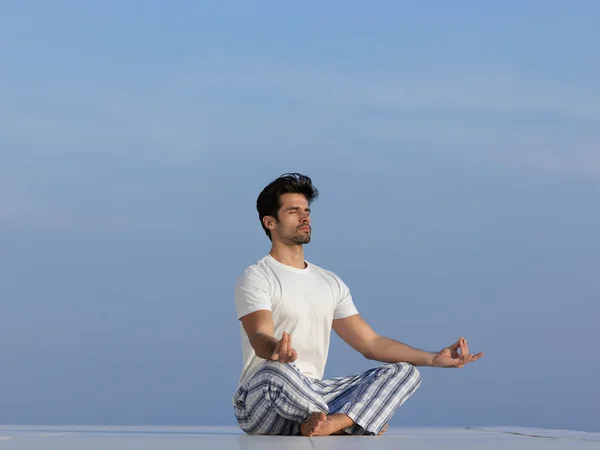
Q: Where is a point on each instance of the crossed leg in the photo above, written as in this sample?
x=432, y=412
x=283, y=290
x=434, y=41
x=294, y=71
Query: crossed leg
x=280, y=400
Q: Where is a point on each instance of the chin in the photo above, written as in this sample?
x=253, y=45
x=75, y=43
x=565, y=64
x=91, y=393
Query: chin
x=302, y=240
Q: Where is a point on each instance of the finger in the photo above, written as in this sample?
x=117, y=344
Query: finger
x=294, y=355
x=456, y=345
x=462, y=360
x=457, y=363
x=283, y=351
x=473, y=358
x=466, y=346
x=476, y=357
x=288, y=341
x=276, y=352
x=464, y=350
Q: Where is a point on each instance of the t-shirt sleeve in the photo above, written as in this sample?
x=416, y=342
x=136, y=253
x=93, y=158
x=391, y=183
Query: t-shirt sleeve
x=252, y=293
x=345, y=306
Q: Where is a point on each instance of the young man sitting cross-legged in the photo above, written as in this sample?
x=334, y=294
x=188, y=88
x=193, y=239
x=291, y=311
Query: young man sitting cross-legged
x=287, y=308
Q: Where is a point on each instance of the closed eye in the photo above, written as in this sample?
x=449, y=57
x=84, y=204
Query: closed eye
x=295, y=210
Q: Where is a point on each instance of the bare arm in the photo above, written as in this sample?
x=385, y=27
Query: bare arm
x=259, y=328
x=360, y=336
x=388, y=350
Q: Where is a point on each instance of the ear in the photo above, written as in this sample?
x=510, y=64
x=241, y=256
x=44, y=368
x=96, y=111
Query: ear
x=269, y=222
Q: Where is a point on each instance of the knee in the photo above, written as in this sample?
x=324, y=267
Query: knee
x=413, y=376
x=273, y=376
x=404, y=372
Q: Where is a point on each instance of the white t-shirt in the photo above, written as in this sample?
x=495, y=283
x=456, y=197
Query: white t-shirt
x=303, y=303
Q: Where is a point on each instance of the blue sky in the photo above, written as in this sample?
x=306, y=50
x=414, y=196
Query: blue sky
x=456, y=148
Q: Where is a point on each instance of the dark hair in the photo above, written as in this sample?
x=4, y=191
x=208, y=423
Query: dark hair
x=269, y=200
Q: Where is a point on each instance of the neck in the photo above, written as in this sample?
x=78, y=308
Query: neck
x=290, y=255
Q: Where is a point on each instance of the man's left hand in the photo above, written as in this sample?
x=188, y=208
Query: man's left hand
x=450, y=356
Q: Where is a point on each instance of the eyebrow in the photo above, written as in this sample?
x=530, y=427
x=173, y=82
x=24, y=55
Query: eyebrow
x=290, y=208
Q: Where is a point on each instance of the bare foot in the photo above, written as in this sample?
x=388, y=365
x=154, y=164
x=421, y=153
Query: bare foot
x=383, y=430
x=314, y=424
x=333, y=424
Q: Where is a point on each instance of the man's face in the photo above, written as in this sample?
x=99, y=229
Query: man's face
x=293, y=226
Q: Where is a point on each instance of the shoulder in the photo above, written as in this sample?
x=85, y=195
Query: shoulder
x=256, y=273
x=253, y=290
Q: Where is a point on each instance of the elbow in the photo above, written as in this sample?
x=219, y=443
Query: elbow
x=369, y=350
x=368, y=353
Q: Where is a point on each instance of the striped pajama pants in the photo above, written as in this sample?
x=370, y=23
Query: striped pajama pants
x=278, y=398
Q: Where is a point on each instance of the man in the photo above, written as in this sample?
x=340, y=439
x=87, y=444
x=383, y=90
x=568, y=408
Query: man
x=287, y=308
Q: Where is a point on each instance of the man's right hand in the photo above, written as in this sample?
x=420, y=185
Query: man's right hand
x=284, y=352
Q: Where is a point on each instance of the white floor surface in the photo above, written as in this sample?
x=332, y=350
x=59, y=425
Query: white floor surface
x=231, y=438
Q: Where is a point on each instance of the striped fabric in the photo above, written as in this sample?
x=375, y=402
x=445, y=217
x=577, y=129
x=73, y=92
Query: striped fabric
x=278, y=398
